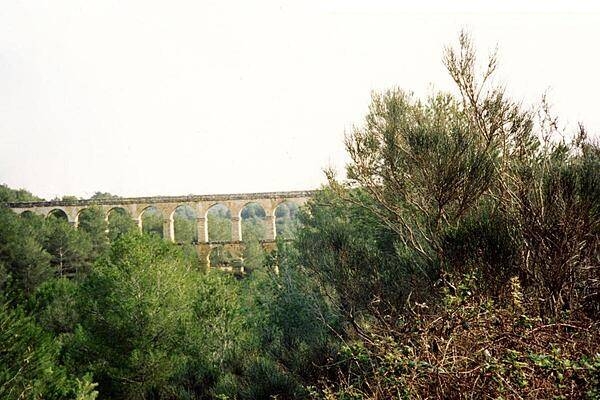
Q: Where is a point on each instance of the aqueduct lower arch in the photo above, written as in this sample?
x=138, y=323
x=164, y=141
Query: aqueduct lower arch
x=135, y=206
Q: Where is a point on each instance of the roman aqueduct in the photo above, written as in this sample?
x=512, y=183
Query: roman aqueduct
x=167, y=205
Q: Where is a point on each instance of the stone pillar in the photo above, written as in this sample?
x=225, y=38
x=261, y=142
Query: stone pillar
x=202, y=229
x=236, y=229
x=107, y=230
x=168, y=229
x=270, y=230
x=73, y=216
x=203, y=250
x=106, y=221
x=138, y=222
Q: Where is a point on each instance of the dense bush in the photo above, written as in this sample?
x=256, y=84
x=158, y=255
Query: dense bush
x=468, y=346
x=485, y=282
x=29, y=362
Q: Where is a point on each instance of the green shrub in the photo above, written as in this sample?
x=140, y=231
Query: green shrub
x=29, y=362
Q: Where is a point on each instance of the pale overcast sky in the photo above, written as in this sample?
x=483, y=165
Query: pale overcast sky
x=178, y=97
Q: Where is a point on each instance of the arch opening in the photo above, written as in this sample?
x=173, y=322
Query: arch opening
x=119, y=223
x=222, y=256
x=27, y=214
x=152, y=221
x=254, y=226
x=57, y=214
x=219, y=223
x=184, y=220
x=286, y=219
x=92, y=221
x=32, y=218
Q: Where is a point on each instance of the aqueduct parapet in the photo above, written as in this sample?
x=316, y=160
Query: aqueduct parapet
x=136, y=206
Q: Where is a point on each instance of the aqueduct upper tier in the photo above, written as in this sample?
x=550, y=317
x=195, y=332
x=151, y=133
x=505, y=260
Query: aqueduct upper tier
x=135, y=207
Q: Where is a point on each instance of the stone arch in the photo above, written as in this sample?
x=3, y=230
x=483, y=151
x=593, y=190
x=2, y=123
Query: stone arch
x=185, y=227
x=119, y=221
x=31, y=216
x=79, y=211
x=26, y=214
x=58, y=213
x=286, y=218
x=151, y=220
x=90, y=219
x=253, y=217
x=299, y=202
x=219, y=222
x=117, y=209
